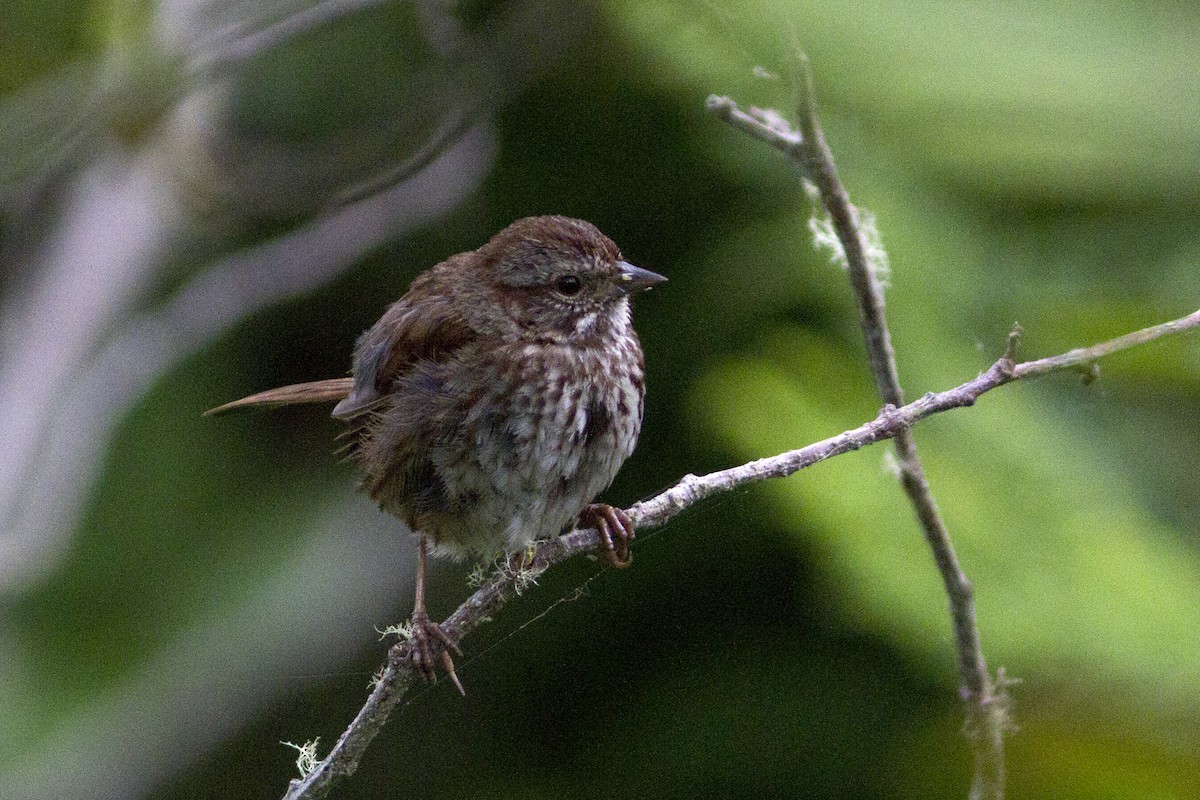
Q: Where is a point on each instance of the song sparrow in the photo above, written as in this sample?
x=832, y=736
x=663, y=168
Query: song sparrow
x=496, y=399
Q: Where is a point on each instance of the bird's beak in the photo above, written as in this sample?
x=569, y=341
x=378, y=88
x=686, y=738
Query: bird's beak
x=635, y=279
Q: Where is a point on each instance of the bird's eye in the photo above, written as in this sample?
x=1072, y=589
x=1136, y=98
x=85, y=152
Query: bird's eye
x=568, y=284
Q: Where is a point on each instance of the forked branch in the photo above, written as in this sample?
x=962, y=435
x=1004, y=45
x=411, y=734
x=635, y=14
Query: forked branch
x=986, y=699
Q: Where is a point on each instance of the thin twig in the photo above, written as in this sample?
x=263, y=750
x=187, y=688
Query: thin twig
x=487, y=600
x=1083, y=356
x=986, y=699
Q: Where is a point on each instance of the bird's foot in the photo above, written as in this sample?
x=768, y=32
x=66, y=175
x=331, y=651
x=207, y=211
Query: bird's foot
x=616, y=532
x=431, y=645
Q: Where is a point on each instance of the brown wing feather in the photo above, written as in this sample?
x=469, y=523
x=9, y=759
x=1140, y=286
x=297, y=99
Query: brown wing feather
x=316, y=392
x=424, y=325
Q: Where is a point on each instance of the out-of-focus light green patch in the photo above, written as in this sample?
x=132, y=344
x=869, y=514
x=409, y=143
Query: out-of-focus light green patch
x=973, y=89
x=1064, y=750
x=1071, y=573
x=126, y=25
x=1091, y=758
x=1181, y=269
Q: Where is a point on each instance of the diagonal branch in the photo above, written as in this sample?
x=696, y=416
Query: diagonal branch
x=481, y=606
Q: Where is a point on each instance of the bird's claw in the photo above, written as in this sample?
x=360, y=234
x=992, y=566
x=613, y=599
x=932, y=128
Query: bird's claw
x=616, y=532
x=430, y=645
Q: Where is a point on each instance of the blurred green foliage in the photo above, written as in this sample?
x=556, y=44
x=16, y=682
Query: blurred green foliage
x=1037, y=162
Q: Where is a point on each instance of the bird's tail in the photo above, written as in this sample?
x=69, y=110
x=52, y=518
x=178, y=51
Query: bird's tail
x=316, y=392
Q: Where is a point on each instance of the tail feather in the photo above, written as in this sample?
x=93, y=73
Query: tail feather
x=316, y=392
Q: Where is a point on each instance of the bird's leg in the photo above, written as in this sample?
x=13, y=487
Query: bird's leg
x=428, y=637
x=616, y=531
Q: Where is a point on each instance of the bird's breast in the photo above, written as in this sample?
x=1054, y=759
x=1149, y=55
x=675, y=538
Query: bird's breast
x=546, y=435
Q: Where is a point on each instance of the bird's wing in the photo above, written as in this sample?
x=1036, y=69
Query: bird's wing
x=417, y=328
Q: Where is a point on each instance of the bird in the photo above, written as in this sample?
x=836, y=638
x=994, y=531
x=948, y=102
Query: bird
x=491, y=403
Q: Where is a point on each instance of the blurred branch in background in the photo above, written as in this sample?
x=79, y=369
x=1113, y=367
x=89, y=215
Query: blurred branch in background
x=165, y=162
x=54, y=448
x=892, y=423
x=243, y=39
x=79, y=348
x=210, y=160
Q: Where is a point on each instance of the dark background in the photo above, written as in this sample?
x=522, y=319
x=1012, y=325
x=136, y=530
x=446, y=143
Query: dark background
x=180, y=594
